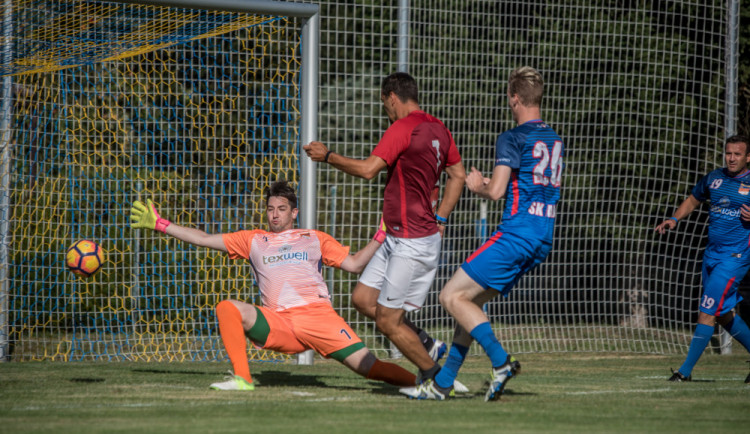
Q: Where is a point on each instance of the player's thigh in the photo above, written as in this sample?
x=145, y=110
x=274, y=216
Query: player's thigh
x=461, y=287
x=410, y=272
x=365, y=299
x=281, y=334
x=320, y=328
x=374, y=273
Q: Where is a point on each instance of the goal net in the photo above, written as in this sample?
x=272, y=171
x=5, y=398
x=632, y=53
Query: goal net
x=637, y=90
x=107, y=103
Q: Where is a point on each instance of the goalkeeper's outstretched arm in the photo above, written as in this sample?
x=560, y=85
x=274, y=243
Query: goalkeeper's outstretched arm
x=146, y=216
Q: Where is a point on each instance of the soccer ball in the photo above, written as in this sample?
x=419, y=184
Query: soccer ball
x=84, y=258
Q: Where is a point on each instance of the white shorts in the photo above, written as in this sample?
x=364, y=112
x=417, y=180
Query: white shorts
x=402, y=270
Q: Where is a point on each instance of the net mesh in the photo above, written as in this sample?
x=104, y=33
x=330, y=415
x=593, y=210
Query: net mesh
x=201, y=124
x=636, y=91
x=114, y=103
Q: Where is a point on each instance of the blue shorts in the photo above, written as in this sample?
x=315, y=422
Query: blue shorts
x=721, y=278
x=503, y=259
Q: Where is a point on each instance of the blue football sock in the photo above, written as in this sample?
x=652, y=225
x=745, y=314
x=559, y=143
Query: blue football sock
x=484, y=335
x=698, y=344
x=739, y=330
x=453, y=362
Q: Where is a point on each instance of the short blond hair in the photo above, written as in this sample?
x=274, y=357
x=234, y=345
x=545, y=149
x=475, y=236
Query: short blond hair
x=527, y=83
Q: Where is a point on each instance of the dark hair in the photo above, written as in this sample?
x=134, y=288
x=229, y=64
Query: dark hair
x=403, y=85
x=737, y=138
x=282, y=189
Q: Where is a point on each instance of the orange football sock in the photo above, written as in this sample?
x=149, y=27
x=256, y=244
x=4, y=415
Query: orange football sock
x=391, y=374
x=233, y=336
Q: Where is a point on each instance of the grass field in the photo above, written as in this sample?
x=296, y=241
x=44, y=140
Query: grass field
x=563, y=393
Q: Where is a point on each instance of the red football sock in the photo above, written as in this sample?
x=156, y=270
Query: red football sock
x=391, y=374
x=233, y=337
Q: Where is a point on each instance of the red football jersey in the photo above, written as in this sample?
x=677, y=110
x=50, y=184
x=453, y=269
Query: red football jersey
x=417, y=149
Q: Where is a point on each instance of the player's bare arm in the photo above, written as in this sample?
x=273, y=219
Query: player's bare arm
x=493, y=188
x=145, y=216
x=356, y=263
x=454, y=186
x=745, y=213
x=685, y=208
x=367, y=168
x=197, y=237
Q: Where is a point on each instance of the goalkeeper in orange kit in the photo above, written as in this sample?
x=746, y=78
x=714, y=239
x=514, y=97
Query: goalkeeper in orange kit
x=296, y=314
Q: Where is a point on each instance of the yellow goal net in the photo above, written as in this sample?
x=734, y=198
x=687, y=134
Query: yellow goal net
x=106, y=103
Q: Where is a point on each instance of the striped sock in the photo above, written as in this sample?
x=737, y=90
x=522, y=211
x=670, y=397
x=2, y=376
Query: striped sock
x=233, y=337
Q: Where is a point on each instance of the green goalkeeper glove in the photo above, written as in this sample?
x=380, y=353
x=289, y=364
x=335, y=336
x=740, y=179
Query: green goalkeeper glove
x=146, y=217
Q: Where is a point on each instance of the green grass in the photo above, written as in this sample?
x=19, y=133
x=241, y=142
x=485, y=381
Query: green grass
x=564, y=393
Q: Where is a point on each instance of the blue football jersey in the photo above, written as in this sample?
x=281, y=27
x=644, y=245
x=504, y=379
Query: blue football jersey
x=535, y=153
x=727, y=232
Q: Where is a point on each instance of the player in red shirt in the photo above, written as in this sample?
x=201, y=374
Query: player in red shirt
x=297, y=314
x=415, y=150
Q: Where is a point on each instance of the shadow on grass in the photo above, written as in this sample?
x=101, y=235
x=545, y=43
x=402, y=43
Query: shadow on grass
x=511, y=392
x=284, y=378
x=380, y=388
x=87, y=380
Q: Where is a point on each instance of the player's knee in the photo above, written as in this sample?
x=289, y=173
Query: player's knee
x=706, y=319
x=446, y=299
x=385, y=324
x=224, y=307
x=364, y=304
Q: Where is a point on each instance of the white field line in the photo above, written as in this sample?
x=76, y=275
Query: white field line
x=659, y=390
x=132, y=405
x=664, y=377
x=176, y=404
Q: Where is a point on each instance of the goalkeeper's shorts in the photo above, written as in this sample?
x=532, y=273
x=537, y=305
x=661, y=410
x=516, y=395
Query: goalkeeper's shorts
x=311, y=327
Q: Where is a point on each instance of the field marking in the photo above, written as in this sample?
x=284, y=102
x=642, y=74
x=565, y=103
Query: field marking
x=604, y=392
x=660, y=390
x=333, y=398
x=133, y=405
x=658, y=377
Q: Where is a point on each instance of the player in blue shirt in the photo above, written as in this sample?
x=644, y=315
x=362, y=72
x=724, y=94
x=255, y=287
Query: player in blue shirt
x=528, y=169
x=727, y=255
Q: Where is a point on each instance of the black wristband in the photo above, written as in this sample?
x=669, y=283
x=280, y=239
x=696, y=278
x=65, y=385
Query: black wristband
x=326, y=157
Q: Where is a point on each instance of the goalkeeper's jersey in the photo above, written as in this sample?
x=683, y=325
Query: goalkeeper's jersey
x=287, y=265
